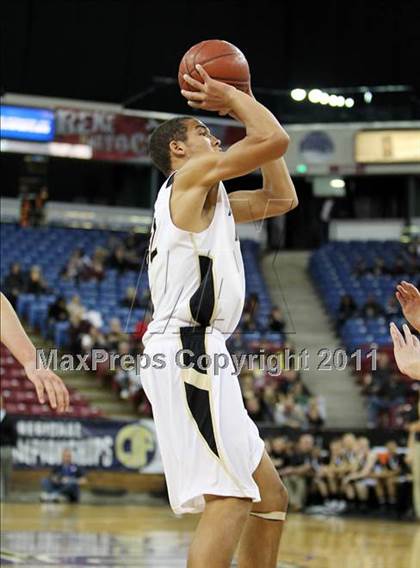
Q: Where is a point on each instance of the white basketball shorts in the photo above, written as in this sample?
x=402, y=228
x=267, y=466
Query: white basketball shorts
x=209, y=444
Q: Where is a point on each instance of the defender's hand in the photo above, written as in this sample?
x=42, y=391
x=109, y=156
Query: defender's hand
x=48, y=383
x=409, y=298
x=406, y=351
x=209, y=94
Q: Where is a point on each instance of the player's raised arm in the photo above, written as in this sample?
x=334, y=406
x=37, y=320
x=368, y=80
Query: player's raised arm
x=265, y=139
x=15, y=339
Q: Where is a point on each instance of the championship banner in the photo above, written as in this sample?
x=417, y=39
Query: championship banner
x=114, y=136
x=107, y=445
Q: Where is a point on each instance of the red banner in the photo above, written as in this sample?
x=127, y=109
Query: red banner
x=114, y=136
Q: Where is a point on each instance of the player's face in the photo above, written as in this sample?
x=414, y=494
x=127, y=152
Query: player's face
x=200, y=139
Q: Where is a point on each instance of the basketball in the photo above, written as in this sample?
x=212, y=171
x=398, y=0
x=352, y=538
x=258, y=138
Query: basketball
x=222, y=60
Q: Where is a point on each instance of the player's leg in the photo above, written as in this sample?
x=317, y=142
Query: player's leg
x=218, y=532
x=261, y=536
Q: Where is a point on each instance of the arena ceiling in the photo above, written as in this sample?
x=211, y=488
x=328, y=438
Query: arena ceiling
x=114, y=50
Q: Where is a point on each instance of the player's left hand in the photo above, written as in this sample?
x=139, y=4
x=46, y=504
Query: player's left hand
x=48, y=386
x=409, y=298
x=406, y=351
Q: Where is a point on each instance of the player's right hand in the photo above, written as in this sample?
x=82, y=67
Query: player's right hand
x=209, y=94
x=406, y=351
x=48, y=386
x=409, y=298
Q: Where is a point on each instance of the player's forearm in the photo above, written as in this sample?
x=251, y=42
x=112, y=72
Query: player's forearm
x=278, y=185
x=13, y=336
x=258, y=120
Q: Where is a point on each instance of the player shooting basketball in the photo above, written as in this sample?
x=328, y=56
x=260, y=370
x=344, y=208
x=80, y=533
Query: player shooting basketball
x=213, y=456
x=47, y=384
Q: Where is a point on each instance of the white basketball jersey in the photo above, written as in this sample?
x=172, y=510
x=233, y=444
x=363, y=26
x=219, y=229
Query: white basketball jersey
x=195, y=279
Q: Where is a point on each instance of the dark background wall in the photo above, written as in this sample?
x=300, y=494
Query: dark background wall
x=109, y=50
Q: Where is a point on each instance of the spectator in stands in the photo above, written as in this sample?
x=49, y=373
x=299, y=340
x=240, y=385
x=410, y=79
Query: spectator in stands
x=145, y=300
x=248, y=324
x=399, y=268
x=372, y=308
x=346, y=310
x=8, y=440
x=288, y=413
x=75, y=265
x=115, y=335
x=35, y=283
x=75, y=307
x=384, y=393
x=297, y=474
x=118, y=260
x=313, y=415
x=280, y=452
x=276, y=322
x=251, y=306
x=258, y=409
x=14, y=283
x=130, y=300
x=58, y=311
x=92, y=339
x=94, y=271
x=64, y=482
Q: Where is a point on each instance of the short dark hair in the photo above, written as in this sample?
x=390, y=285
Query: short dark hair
x=174, y=129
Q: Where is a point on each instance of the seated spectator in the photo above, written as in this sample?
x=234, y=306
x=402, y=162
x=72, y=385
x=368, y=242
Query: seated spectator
x=280, y=453
x=117, y=259
x=14, y=283
x=313, y=415
x=248, y=324
x=258, y=410
x=35, y=283
x=92, y=339
x=251, y=306
x=64, y=482
x=75, y=265
x=346, y=310
x=372, y=308
x=75, y=307
x=58, y=311
x=288, y=413
x=384, y=392
x=115, y=335
x=297, y=474
x=276, y=322
x=130, y=300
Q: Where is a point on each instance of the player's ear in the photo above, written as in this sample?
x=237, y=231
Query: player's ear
x=177, y=148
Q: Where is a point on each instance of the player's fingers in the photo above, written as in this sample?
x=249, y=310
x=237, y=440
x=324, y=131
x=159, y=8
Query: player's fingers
x=416, y=342
x=193, y=82
x=397, y=338
x=193, y=95
x=412, y=290
x=39, y=387
x=194, y=105
x=203, y=73
x=408, y=336
x=51, y=393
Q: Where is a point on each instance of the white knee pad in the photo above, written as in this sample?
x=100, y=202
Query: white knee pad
x=273, y=516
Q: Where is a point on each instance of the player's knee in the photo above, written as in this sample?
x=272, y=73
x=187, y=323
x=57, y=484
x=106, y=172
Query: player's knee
x=277, y=498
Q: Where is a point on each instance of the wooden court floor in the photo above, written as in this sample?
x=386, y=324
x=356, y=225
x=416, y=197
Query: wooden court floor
x=151, y=537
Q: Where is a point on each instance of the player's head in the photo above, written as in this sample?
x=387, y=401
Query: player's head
x=175, y=141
